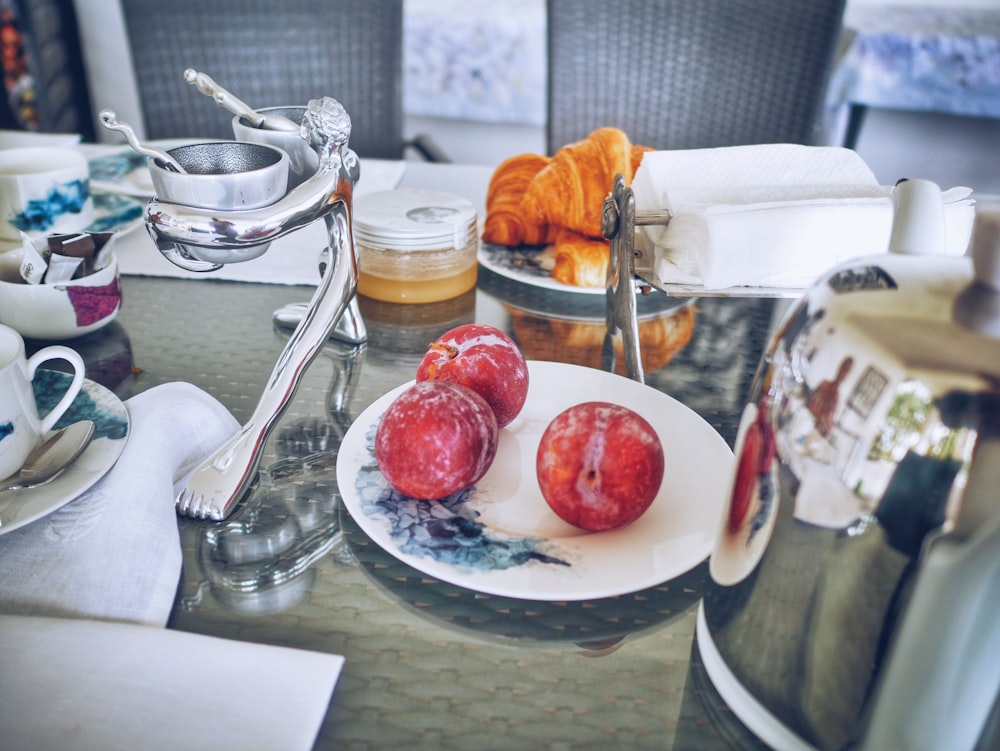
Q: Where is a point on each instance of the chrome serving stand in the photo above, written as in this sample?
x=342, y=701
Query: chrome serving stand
x=202, y=239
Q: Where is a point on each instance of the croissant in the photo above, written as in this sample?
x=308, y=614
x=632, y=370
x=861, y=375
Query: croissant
x=570, y=191
x=538, y=200
x=506, y=223
x=580, y=260
x=636, y=158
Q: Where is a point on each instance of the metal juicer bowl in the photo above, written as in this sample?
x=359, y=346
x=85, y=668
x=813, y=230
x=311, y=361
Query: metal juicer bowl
x=225, y=175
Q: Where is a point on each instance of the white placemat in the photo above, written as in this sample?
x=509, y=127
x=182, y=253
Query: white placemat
x=97, y=686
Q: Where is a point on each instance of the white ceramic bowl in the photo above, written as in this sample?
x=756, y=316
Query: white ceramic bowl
x=59, y=311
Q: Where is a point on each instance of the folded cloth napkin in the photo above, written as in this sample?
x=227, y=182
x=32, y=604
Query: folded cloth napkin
x=771, y=215
x=114, y=553
x=88, y=685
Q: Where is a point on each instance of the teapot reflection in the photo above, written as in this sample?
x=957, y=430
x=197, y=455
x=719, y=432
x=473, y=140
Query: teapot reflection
x=839, y=424
x=853, y=575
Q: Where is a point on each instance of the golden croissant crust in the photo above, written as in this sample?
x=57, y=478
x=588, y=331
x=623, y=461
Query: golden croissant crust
x=571, y=189
x=558, y=201
x=506, y=223
x=580, y=260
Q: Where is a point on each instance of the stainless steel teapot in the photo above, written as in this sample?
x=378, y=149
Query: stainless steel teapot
x=855, y=593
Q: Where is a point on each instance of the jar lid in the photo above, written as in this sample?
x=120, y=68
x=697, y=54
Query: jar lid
x=411, y=219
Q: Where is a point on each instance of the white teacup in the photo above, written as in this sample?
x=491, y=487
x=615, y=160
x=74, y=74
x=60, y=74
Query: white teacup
x=21, y=429
x=44, y=190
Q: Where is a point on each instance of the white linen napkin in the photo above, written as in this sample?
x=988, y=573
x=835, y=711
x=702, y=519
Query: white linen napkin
x=771, y=215
x=106, y=686
x=114, y=553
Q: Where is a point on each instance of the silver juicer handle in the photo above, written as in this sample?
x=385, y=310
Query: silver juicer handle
x=227, y=475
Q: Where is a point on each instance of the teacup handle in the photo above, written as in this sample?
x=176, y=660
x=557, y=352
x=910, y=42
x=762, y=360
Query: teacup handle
x=58, y=352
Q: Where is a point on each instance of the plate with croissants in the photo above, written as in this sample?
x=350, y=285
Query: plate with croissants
x=543, y=214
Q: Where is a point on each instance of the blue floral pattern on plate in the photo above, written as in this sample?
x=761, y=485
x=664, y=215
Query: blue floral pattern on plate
x=94, y=402
x=448, y=531
x=114, y=167
x=114, y=213
x=90, y=404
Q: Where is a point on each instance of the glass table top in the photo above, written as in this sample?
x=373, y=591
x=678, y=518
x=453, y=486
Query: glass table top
x=430, y=664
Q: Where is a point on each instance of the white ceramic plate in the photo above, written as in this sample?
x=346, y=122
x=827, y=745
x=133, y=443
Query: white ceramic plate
x=501, y=538
x=570, y=306
x=530, y=265
x=125, y=172
x=94, y=402
x=114, y=212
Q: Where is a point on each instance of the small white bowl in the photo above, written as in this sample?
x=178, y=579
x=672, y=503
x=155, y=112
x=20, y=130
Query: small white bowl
x=59, y=311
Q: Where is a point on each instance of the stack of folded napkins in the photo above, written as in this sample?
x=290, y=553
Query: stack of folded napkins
x=771, y=215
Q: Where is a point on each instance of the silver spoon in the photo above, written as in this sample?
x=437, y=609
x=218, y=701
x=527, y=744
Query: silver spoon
x=208, y=87
x=110, y=121
x=49, y=458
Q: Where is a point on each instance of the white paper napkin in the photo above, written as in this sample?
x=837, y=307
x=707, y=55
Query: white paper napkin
x=89, y=686
x=114, y=553
x=774, y=215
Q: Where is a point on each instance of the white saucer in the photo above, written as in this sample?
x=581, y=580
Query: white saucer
x=94, y=402
x=529, y=265
x=126, y=172
x=116, y=213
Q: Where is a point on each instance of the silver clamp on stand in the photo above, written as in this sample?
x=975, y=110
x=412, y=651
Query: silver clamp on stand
x=619, y=219
x=206, y=236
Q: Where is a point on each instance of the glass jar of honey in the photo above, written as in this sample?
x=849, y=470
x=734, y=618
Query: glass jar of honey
x=415, y=246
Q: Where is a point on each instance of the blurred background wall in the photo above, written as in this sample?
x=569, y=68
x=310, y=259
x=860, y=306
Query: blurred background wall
x=926, y=71
x=477, y=83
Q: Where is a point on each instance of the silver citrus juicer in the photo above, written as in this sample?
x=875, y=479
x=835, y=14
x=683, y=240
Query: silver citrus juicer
x=853, y=601
x=202, y=237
